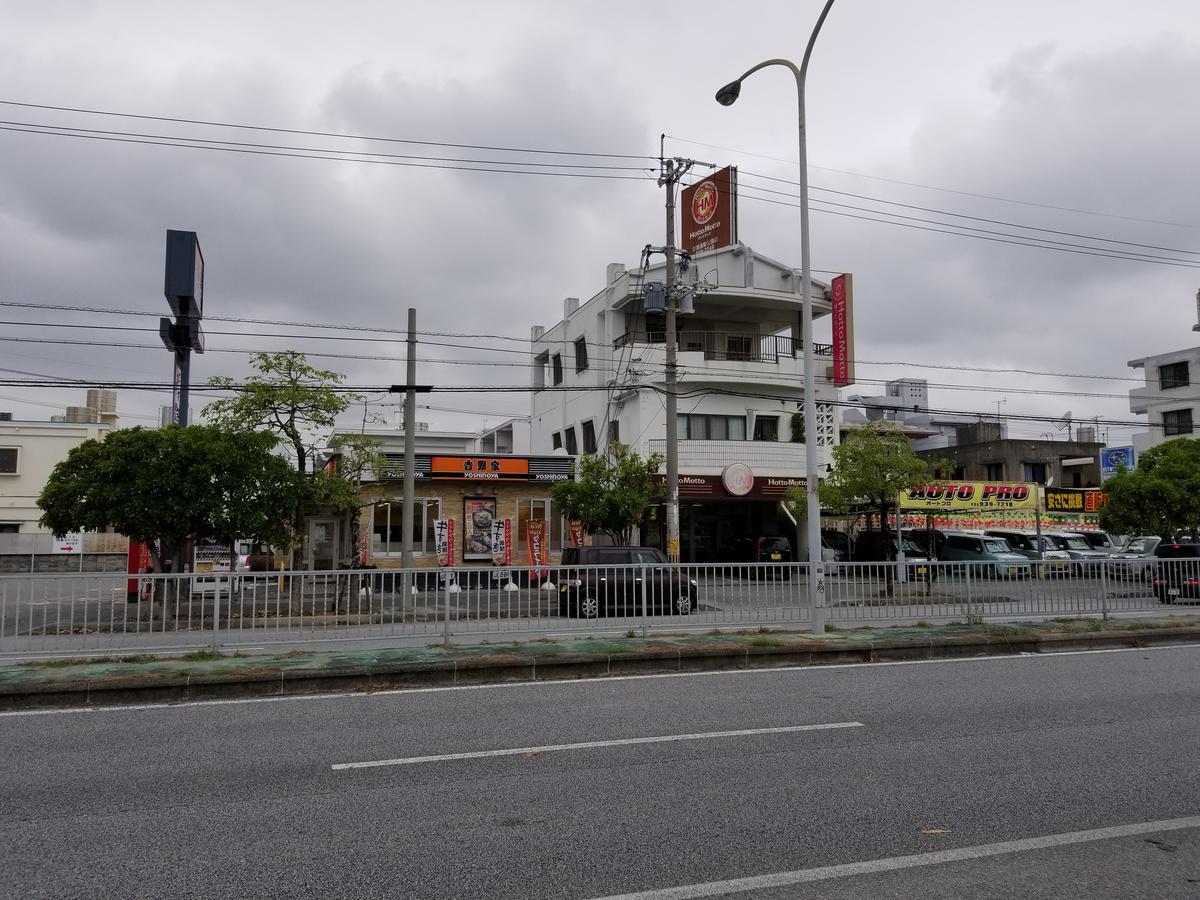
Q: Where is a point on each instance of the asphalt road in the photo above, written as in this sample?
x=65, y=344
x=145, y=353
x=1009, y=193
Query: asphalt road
x=1047, y=776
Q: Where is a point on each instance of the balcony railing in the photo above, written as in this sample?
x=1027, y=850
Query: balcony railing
x=729, y=346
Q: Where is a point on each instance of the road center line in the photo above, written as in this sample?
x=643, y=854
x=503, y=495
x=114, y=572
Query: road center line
x=893, y=863
x=591, y=745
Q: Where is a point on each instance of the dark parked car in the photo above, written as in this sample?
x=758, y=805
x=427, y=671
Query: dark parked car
x=1178, y=572
x=835, y=545
x=609, y=581
x=761, y=550
x=869, y=547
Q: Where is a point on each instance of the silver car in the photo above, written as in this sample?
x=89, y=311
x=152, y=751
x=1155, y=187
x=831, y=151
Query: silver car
x=1135, y=560
x=1077, y=547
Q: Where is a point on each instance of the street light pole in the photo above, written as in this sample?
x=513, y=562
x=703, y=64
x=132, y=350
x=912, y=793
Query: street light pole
x=726, y=96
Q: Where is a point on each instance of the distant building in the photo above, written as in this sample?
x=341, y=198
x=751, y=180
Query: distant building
x=1167, y=398
x=906, y=403
x=29, y=451
x=980, y=452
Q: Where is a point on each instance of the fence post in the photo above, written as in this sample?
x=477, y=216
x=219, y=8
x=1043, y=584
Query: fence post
x=970, y=614
x=1104, y=591
x=444, y=577
x=216, y=638
x=644, y=629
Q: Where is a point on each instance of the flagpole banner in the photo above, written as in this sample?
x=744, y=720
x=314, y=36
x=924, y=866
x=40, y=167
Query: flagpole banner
x=443, y=541
x=535, y=542
x=578, y=535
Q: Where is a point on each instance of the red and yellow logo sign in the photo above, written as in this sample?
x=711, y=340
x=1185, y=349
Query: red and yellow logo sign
x=704, y=203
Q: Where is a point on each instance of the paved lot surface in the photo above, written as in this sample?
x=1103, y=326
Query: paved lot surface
x=242, y=799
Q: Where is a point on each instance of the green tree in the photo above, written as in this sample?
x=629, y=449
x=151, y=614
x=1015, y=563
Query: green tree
x=358, y=460
x=162, y=486
x=870, y=467
x=1162, y=496
x=612, y=492
x=287, y=396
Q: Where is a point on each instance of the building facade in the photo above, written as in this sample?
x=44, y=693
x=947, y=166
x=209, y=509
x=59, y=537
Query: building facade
x=1167, y=397
x=980, y=452
x=599, y=376
x=29, y=451
x=454, y=479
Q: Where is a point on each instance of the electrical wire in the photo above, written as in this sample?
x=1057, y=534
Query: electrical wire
x=328, y=134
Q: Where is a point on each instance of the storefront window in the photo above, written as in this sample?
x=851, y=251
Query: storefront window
x=387, y=538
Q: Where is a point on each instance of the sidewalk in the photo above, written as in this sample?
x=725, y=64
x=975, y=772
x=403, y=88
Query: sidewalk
x=203, y=674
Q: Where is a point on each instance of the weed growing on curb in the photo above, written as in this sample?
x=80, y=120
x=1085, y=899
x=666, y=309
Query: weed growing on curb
x=205, y=655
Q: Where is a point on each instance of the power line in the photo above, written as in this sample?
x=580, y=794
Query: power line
x=1038, y=246
x=329, y=134
x=496, y=337
x=521, y=389
x=69, y=131
x=276, y=153
x=945, y=212
x=946, y=190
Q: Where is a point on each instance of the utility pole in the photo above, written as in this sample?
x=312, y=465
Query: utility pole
x=410, y=444
x=672, y=170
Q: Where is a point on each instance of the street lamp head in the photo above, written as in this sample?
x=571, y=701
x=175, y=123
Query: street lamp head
x=728, y=94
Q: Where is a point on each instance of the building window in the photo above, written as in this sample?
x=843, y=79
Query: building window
x=1034, y=471
x=540, y=363
x=614, y=432
x=993, y=471
x=695, y=427
x=556, y=441
x=556, y=365
x=10, y=527
x=572, y=444
x=1178, y=421
x=766, y=428
x=8, y=460
x=1174, y=375
x=589, y=436
x=387, y=530
x=581, y=360
x=536, y=509
x=959, y=473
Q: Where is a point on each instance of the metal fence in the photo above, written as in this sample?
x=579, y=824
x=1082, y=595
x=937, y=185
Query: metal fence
x=69, y=614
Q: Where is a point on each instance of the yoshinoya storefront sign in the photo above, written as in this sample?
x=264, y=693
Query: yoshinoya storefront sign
x=970, y=495
x=480, y=467
x=709, y=212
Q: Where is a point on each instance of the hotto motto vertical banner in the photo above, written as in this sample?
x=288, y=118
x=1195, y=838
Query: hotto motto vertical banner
x=842, y=300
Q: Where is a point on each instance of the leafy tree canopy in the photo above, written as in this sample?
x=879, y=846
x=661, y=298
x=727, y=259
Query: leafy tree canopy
x=1161, y=497
x=168, y=483
x=286, y=396
x=612, y=492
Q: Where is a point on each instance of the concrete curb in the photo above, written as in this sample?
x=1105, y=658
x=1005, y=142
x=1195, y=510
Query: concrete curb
x=266, y=681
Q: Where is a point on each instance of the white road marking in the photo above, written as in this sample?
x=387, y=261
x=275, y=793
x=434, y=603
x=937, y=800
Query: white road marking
x=584, y=682
x=592, y=745
x=894, y=863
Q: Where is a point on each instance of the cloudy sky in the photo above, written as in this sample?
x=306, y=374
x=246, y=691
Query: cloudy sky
x=1075, y=116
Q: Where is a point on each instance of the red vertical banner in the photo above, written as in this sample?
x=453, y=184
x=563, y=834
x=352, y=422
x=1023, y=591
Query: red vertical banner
x=842, y=301
x=535, y=542
x=578, y=535
x=138, y=563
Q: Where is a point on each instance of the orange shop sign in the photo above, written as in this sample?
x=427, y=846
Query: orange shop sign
x=479, y=468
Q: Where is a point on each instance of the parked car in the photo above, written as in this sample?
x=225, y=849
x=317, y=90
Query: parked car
x=1076, y=546
x=990, y=557
x=869, y=547
x=1051, y=560
x=1177, y=572
x=1099, y=540
x=835, y=546
x=762, y=550
x=1135, y=559
x=609, y=582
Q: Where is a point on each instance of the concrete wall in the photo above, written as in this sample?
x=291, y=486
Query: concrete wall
x=1013, y=453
